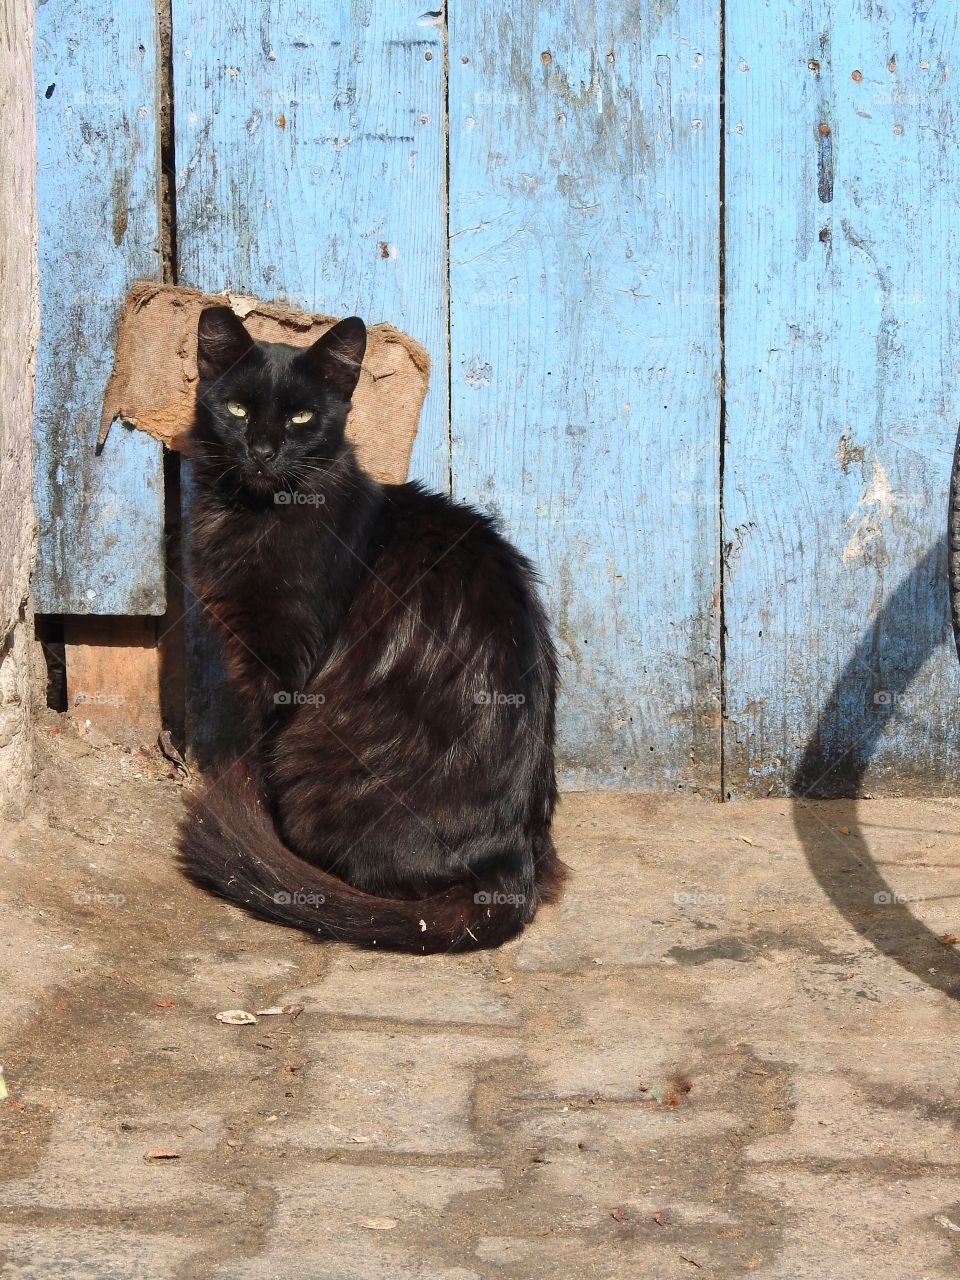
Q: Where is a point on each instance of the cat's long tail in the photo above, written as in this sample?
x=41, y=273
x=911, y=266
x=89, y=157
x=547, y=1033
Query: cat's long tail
x=228, y=843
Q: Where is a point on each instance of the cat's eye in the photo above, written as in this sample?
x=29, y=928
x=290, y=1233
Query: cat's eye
x=303, y=416
x=236, y=408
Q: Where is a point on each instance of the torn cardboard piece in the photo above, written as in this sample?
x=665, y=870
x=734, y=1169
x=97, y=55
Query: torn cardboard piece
x=154, y=379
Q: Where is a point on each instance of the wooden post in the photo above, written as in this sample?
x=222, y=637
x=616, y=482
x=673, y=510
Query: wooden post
x=113, y=676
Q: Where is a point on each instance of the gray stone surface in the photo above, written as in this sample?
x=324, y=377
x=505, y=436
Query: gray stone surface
x=389, y=1091
x=89, y=1253
x=424, y=989
x=707, y=1060
x=337, y=1222
x=18, y=335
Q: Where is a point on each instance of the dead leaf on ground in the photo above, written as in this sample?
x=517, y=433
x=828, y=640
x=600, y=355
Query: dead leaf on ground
x=236, y=1017
x=162, y=1153
x=618, y=1215
x=662, y=1218
x=948, y=939
x=166, y=1004
x=378, y=1224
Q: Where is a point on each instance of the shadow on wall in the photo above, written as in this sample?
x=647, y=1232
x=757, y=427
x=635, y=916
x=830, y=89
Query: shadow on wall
x=833, y=764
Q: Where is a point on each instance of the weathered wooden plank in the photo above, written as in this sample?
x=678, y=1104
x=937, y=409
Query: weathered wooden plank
x=113, y=676
x=100, y=518
x=584, y=149
x=842, y=237
x=311, y=165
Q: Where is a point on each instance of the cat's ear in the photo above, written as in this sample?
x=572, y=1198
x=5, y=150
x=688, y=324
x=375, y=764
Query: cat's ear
x=222, y=341
x=335, y=359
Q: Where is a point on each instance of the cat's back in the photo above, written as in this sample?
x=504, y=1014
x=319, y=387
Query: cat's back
x=427, y=532
x=447, y=604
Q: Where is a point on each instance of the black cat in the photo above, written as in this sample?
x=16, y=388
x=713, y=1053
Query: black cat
x=393, y=661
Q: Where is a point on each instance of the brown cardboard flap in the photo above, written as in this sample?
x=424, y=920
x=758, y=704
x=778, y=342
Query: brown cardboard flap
x=154, y=376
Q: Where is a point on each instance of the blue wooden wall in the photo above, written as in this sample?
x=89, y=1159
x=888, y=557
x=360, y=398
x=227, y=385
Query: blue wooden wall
x=842, y=239
x=100, y=517
x=698, y=360
x=585, y=344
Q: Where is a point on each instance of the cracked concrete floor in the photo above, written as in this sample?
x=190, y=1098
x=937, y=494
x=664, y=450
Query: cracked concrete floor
x=730, y=1051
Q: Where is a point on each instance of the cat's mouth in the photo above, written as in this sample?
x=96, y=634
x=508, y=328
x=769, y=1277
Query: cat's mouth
x=262, y=480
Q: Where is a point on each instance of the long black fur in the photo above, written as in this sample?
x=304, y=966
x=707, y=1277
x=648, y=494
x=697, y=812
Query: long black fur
x=392, y=659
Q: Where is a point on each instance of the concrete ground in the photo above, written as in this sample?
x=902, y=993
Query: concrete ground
x=731, y=1050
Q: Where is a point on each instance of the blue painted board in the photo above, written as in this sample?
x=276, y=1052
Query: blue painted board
x=585, y=351
x=842, y=234
x=311, y=167
x=100, y=518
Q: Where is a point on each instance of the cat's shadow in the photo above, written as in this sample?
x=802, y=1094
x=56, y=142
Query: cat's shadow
x=213, y=725
x=912, y=625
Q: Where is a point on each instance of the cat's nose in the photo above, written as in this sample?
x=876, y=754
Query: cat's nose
x=263, y=451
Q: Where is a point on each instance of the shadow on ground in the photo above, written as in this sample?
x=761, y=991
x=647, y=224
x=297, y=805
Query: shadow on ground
x=836, y=759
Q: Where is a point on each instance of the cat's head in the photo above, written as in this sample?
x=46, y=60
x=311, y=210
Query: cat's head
x=270, y=417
